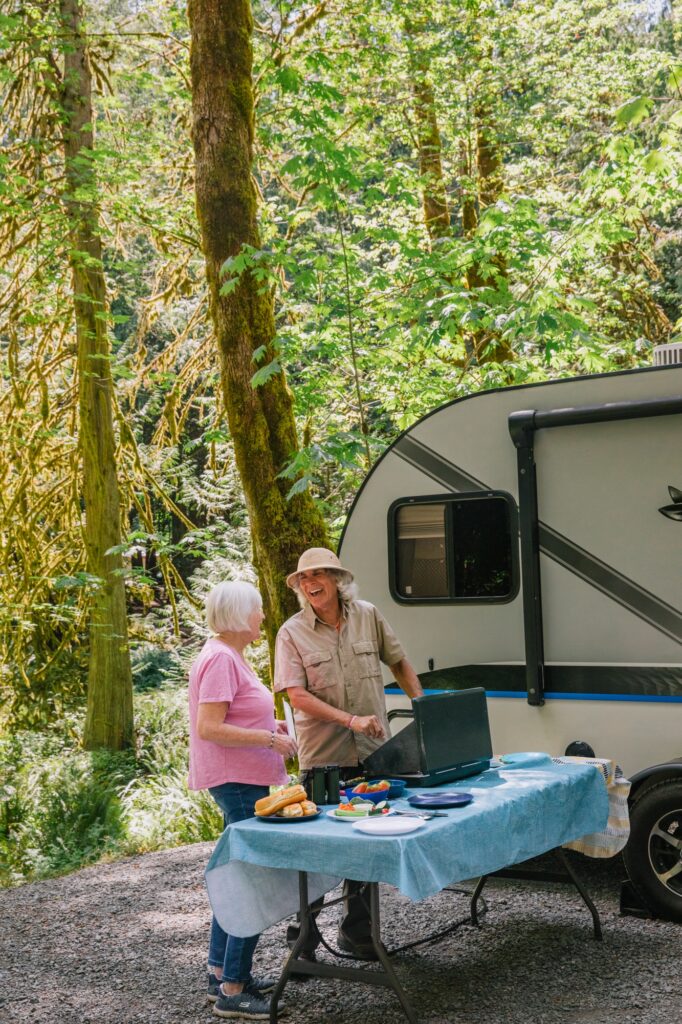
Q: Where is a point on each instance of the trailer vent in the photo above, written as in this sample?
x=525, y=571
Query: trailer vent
x=666, y=355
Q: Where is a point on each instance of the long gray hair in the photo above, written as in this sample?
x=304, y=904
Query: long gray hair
x=348, y=591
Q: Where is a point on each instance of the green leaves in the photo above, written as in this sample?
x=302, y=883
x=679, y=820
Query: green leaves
x=635, y=111
x=263, y=375
x=288, y=79
x=657, y=162
x=79, y=581
x=675, y=80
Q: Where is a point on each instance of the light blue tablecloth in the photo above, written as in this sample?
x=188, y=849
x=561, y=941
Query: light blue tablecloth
x=515, y=815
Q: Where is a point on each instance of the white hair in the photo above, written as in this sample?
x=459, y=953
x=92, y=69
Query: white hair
x=230, y=605
x=348, y=591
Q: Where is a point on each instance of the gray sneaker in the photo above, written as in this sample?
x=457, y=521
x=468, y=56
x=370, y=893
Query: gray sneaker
x=244, y=1005
x=213, y=990
x=260, y=984
x=257, y=985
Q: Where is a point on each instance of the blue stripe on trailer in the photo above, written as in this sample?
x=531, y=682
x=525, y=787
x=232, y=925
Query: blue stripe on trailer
x=521, y=694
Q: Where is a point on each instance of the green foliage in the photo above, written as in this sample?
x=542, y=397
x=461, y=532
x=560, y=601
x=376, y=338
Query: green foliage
x=61, y=808
x=578, y=269
x=566, y=252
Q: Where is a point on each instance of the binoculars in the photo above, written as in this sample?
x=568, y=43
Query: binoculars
x=322, y=784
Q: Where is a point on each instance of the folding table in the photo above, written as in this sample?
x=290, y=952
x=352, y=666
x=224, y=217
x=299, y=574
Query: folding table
x=262, y=872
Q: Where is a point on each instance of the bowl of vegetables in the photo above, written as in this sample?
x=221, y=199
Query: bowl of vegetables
x=378, y=789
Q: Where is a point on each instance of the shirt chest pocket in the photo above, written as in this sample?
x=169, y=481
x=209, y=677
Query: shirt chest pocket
x=367, y=658
x=319, y=670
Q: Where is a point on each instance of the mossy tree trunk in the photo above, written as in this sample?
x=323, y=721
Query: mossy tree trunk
x=489, y=178
x=479, y=344
x=109, y=718
x=488, y=155
x=261, y=420
x=429, y=146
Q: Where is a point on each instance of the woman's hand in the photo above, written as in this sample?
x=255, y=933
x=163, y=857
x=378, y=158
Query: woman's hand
x=284, y=745
x=282, y=727
x=368, y=725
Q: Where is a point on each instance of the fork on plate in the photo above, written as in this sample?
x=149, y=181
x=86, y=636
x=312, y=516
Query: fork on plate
x=426, y=815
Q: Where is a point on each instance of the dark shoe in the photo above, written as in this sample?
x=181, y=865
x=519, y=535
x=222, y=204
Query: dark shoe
x=309, y=957
x=260, y=984
x=293, y=932
x=307, y=954
x=361, y=950
x=257, y=985
x=213, y=988
x=245, y=1006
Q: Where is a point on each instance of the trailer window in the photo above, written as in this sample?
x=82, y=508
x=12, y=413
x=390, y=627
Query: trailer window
x=459, y=549
x=422, y=566
x=482, y=548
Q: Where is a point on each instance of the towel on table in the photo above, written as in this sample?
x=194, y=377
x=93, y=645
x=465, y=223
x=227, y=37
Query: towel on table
x=614, y=837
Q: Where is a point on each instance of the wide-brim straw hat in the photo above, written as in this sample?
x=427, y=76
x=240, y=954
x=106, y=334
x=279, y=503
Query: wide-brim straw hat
x=317, y=558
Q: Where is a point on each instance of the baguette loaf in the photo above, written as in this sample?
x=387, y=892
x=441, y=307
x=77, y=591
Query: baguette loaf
x=276, y=801
x=291, y=811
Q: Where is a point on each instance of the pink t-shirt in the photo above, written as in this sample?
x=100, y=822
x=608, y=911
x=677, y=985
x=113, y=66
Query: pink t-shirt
x=220, y=674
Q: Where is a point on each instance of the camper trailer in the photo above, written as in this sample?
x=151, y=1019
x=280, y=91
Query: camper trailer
x=529, y=540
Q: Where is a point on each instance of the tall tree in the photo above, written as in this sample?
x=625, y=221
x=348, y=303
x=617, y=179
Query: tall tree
x=109, y=720
x=429, y=145
x=260, y=419
x=488, y=176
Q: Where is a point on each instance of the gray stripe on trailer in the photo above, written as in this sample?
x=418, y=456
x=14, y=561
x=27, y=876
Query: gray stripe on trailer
x=438, y=468
x=610, y=582
x=560, y=549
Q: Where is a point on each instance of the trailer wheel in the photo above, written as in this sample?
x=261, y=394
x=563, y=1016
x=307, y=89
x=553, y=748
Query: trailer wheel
x=653, y=855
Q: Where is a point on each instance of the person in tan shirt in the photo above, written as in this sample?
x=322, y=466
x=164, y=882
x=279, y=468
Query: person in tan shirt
x=327, y=658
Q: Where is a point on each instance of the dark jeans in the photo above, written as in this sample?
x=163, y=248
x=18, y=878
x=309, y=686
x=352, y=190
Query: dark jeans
x=355, y=923
x=235, y=956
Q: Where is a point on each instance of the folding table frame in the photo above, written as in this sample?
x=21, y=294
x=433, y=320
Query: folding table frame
x=385, y=975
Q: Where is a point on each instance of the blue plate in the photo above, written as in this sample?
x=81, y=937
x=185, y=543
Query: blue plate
x=529, y=759
x=287, y=821
x=435, y=800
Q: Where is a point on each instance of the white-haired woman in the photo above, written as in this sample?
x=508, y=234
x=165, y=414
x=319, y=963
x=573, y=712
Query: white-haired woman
x=236, y=752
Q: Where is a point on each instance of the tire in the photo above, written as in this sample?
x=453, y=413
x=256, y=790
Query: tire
x=653, y=855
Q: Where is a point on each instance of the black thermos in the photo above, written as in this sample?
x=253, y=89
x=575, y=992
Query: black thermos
x=333, y=794
x=318, y=789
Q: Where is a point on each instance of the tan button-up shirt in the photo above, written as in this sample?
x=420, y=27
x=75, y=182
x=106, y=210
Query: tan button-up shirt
x=340, y=667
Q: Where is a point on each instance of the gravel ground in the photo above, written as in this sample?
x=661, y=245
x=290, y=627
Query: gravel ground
x=126, y=942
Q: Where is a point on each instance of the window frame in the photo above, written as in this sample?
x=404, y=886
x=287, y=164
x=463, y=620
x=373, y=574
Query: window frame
x=449, y=499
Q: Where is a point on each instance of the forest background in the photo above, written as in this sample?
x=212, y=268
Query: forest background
x=419, y=200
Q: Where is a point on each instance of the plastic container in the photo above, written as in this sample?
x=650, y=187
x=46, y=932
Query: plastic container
x=376, y=798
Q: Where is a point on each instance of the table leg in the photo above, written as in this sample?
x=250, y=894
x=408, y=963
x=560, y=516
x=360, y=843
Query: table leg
x=566, y=864
x=307, y=924
x=474, y=899
x=386, y=978
x=535, y=875
x=380, y=949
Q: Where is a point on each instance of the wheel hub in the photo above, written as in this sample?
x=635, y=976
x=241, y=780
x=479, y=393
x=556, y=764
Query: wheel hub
x=665, y=850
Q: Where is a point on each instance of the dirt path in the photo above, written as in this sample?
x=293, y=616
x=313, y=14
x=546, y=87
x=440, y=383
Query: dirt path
x=125, y=943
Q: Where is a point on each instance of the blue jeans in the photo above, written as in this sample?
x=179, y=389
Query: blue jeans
x=235, y=800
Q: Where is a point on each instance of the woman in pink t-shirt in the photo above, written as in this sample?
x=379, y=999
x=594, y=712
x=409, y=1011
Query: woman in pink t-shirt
x=236, y=752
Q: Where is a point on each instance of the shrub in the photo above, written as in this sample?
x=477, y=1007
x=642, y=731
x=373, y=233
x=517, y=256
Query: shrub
x=62, y=808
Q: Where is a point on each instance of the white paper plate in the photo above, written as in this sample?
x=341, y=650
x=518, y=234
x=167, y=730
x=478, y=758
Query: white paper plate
x=388, y=825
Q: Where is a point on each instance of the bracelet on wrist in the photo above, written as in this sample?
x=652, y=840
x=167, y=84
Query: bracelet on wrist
x=350, y=721
x=272, y=741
